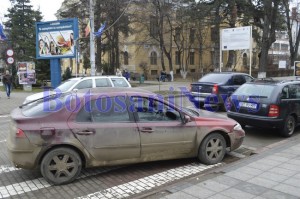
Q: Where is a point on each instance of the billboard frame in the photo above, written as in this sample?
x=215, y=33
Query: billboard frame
x=57, y=30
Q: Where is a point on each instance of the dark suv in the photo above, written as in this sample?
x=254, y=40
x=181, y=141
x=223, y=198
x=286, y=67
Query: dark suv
x=213, y=89
x=267, y=103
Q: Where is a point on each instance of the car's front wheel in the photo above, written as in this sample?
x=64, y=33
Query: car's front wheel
x=212, y=149
x=289, y=126
x=61, y=166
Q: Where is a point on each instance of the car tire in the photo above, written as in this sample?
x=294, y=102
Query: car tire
x=61, y=166
x=289, y=126
x=212, y=149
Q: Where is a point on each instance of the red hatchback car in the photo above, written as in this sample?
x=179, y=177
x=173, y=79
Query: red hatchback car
x=111, y=126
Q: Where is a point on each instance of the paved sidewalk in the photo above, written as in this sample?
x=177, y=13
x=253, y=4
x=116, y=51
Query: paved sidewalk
x=16, y=99
x=272, y=174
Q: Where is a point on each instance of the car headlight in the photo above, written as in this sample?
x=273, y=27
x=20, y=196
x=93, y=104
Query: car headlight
x=237, y=127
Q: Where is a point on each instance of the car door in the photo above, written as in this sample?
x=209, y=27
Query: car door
x=163, y=134
x=106, y=129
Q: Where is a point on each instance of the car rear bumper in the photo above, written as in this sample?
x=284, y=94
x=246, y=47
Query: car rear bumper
x=23, y=158
x=257, y=121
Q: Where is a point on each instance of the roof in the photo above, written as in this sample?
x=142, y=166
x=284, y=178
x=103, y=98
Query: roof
x=116, y=90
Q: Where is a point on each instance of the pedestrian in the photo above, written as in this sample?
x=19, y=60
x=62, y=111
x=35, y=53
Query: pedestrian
x=7, y=81
x=127, y=75
x=119, y=72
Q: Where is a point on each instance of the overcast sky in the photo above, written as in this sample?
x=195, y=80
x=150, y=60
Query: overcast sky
x=47, y=7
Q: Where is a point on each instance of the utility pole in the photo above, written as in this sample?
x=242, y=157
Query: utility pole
x=92, y=41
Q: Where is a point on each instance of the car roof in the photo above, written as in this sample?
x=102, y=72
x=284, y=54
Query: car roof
x=271, y=81
x=229, y=73
x=118, y=90
x=93, y=77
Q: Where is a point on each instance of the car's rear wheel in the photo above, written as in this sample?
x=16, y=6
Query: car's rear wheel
x=212, y=149
x=61, y=166
x=289, y=126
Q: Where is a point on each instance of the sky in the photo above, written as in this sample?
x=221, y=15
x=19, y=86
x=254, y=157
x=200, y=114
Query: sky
x=47, y=7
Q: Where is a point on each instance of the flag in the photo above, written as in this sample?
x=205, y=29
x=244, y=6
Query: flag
x=100, y=31
x=88, y=29
x=2, y=35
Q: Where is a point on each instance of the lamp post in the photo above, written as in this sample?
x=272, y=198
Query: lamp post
x=92, y=42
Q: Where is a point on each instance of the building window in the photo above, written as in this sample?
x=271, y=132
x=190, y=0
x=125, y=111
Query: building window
x=192, y=58
x=153, y=58
x=192, y=35
x=245, y=58
x=153, y=27
x=177, y=58
x=254, y=59
x=154, y=72
x=193, y=70
x=126, y=58
x=177, y=33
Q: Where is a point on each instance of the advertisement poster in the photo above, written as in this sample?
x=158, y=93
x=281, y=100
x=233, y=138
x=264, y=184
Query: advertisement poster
x=26, y=72
x=56, y=39
x=297, y=68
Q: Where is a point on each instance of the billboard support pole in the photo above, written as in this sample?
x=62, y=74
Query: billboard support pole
x=55, y=69
x=92, y=42
x=250, y=68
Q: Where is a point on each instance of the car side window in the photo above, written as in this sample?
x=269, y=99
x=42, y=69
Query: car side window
x=248, y=78
x=103, y=82
x=103, y=110
x=293, y=91
x=85, y=84
x=297, y=91
x=152, y=110
x=119, y=82
x=238, y=80
x=285, y=93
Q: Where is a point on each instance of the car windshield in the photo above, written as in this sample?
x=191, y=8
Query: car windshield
x=255, y=90
x=215, y=78
x=66, y=86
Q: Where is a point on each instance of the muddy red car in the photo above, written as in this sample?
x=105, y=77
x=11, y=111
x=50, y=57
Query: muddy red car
x=113, y=126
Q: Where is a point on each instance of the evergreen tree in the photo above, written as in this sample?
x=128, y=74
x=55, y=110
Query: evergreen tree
x=22, y=37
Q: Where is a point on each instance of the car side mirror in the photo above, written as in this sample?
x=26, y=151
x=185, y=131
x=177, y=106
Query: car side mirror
x=75, y=90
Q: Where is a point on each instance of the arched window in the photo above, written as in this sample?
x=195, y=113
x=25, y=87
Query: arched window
x=245, y=59
x=126, y=58
x=153, y=58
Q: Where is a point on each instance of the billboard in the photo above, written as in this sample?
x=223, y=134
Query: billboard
x=236, y=38
x=56, y=39
x=26, y=72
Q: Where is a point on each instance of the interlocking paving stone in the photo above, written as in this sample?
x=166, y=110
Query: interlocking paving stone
x=219, y=196
x=199, y=192
x=283, y=171
x=251, y=188
x=263, y=182
x=180, y=195
x=226, y=180
x=273, y=176
x=239, y=175
x=237, y=194
x=213, y=185
x=292, y=190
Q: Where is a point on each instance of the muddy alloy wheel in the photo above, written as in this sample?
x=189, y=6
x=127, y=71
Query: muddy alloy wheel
x=212, y=149
x=289, y=126
x=61, y=166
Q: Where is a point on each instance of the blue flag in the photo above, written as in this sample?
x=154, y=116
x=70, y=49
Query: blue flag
x=100, y=31
x=2, y=35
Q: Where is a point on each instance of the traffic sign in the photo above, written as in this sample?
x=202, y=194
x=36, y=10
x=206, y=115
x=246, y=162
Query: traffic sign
x=9, y=52
x=10, y=60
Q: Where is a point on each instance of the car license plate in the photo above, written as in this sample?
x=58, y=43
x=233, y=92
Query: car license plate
x=248, y=105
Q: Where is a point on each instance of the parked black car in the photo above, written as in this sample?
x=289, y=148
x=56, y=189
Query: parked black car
x=267, y=103
x=212, y=90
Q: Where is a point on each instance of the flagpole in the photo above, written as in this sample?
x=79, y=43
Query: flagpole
x=92, y=42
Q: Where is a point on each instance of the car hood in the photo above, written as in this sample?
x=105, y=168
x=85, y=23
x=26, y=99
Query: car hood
x=38, y=96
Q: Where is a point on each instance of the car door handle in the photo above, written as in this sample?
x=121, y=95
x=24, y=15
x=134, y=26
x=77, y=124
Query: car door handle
x=147, y=130
x=85, y=132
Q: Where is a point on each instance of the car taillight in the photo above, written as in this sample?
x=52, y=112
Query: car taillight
x=20, y=133
x=273, y=111
x=215, y=89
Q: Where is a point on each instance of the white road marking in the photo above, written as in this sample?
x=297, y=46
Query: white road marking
x=149, y=182
x=2, y=141
x=7, y=168
x=40, y=183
